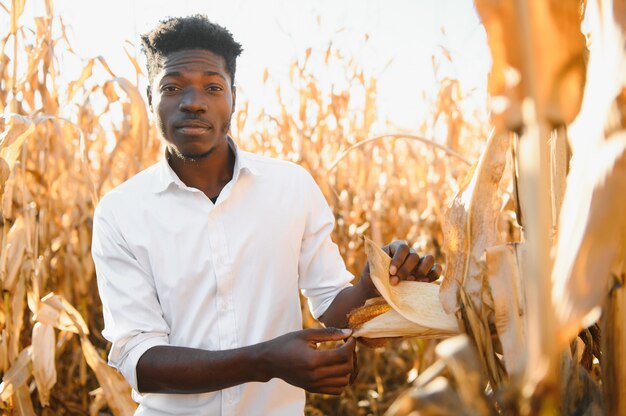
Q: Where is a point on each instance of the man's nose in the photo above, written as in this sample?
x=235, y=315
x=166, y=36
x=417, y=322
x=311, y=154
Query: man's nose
x=192, y=102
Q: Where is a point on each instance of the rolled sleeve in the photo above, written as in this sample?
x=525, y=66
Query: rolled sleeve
x=133, y=318
x=322, y=271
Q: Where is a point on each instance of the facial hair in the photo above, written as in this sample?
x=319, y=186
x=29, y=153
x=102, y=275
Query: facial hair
x=196, y=157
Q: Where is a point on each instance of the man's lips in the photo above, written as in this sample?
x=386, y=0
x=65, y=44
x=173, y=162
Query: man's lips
x=192, y=127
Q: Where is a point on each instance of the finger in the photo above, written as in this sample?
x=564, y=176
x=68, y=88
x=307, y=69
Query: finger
x=333, y=371
x=410, y=263
x=325, y=358
x=334, y=391
x=399, y=253
x=341, y=382
x=394, y=280
x=326, y=334
x=349, y=346
x=355, y=368
x=424, y=267
x=434, y=273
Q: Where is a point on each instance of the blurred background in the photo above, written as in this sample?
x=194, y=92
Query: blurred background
x=383, y=101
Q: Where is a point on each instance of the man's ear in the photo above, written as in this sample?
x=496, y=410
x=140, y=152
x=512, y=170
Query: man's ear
x=234, y=98
x=149, y=95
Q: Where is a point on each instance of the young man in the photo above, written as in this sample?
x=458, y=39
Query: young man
x=201, y=258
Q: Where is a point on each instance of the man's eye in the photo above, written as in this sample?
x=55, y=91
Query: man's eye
x=214, y=88
x=169, y=88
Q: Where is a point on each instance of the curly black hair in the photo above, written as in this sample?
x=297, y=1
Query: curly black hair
x=192, y=32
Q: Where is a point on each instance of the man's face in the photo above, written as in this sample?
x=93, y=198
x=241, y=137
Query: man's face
x=193, y=102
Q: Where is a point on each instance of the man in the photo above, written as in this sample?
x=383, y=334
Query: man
x=201, y=257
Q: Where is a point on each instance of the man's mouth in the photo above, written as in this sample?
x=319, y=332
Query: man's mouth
x=193, y=127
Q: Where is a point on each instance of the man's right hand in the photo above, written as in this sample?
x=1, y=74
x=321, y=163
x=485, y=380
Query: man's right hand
x=294, y=357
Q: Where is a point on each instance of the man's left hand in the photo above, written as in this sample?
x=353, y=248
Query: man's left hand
x=406, y=264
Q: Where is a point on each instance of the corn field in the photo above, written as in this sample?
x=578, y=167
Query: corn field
x=523, y=208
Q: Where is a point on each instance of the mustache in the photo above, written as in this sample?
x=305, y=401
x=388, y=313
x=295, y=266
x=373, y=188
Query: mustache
x=192, y=121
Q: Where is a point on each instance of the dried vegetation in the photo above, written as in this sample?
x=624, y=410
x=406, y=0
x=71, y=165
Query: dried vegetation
x=533, y=235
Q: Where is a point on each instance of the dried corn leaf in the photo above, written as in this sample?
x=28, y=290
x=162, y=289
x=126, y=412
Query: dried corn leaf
x=592, y=236
x=503, y=266
x=22, y=402
x=115, y=388
x=416, y=301
x=44, y=368
x=4, y=351
x=59, y=319
x=99, y=401
x=17, y=130
x=470, y=225
x=592, y=226
x=554, y=73
x=18, y=374
x=13, y=255
x=614, y=348
x=463, y=362
x=75, y=85
x=437, y=398
x=59, y=313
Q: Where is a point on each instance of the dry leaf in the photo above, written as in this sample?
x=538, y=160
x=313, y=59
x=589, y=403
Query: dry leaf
x=503, y=267
x=592, y=227
x=437, y=398
x=17, y=130
x=553, y=74
x=18, y=374
x=58, y=312
x=470, y=226
x=13, y=256
x=44, y=368
x=22, y=402
x=592, y=236
x=115, y=388
x=461, y=358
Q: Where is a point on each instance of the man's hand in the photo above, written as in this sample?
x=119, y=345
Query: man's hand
x=294, y=357
x=406, y=264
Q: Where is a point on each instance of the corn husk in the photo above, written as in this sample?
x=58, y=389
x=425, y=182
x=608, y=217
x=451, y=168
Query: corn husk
x=418, y=302
x=413, y=310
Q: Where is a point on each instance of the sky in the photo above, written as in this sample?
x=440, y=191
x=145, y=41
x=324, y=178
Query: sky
x=403, y=36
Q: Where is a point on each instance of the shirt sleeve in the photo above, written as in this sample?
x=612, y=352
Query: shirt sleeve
x=322, y=271
x=133, y=319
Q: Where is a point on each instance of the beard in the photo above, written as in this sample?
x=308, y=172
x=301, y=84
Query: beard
x=196, y=157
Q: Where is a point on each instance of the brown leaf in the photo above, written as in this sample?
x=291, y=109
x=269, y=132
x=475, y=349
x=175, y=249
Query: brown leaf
x=14, y=254
x=592, y=236
x=470, y=225
x=115, y=388
x=503, y=271
x=44, y=368
x=553, y=70
x=17, y=130
x=18, y=374
x=58, y=312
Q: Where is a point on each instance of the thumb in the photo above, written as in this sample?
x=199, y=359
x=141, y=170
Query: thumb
x=327, y=334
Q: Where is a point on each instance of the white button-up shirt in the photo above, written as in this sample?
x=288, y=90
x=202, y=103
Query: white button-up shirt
x=175, y=269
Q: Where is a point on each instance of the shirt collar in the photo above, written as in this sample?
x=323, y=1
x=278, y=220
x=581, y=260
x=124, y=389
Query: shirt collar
x=165, y=176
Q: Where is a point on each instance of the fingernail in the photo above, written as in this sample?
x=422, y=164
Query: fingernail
x=346, y=331
x=393, y=270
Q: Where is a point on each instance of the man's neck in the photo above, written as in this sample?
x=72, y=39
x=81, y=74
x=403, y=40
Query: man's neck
x=209, y=174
